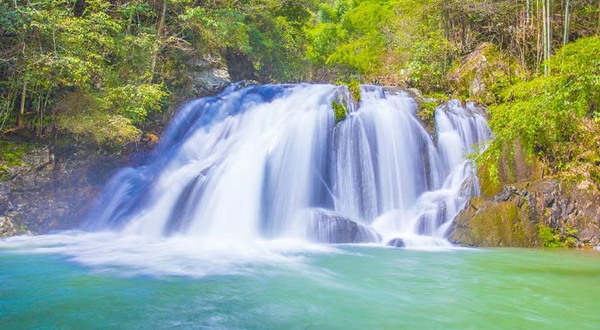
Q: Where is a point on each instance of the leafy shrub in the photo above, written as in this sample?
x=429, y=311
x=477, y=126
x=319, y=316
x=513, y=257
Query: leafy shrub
x=547, y=114
x=553, y=238
x=339, y=111
x=429, y=63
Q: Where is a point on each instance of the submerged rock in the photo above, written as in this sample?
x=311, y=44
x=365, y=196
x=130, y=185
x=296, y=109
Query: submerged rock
x=330, y=227
x=397, y=242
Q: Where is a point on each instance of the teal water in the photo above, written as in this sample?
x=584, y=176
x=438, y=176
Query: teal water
x=348, y=287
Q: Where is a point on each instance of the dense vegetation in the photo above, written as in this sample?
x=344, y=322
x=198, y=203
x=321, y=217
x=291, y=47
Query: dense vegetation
x=96, y=70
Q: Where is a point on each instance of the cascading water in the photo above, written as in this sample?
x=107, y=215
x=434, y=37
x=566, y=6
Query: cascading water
x=271, y=162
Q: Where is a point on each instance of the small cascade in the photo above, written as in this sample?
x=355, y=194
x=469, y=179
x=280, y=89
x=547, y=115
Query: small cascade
x=270, y=162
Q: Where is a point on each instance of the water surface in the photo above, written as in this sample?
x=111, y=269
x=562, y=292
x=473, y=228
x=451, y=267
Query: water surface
x=343, y=287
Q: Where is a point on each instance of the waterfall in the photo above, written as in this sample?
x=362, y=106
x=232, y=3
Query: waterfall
x=267, y=162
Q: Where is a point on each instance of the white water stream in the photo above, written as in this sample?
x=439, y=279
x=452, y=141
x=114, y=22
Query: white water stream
x=269, y=162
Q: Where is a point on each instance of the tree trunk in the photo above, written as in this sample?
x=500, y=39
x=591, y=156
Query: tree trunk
x=567, y=22
x=161, y=24
x=547, y=27
x=23, y=99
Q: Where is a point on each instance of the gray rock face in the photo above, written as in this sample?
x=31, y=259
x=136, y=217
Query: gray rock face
x=208, y=75
x=512, y=217
x=45, y=193
x=330, y=227
x=397, y=242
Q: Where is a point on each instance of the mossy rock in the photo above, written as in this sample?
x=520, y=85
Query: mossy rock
x=482, y=74
x=515, y=165
x=344, y=100
x=11, y=155
x=339, y=111
x=494, y=224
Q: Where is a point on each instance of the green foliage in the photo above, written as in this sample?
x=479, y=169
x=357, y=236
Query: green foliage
x=339, y=111
x=546, y=114
x=428, y=66
x=484, y=74
x=114, y=130
x=10, y=155
x=427, y=111
x=350, y=34
x=85, y=116
x=124, y=59
x=354, y=88
x=113, y=55
x=553, y=238
x=386, y=41
x=134, y=101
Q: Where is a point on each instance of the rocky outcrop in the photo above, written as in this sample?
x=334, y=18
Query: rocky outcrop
x=208, y=75
x=523, y=209
x=45, y=192
x=483, y=72
x=544, y=212
x=330, y=227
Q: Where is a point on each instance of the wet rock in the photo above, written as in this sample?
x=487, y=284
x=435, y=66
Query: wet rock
x=518, y=213
x=589, y=235
x=331, y=227
x=47, y=192
x=494, y=223
x=397, y=242
x=7, y=227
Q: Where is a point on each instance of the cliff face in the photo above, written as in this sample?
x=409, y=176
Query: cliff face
x=525, y=209
x=47, y=192
x=545, y=212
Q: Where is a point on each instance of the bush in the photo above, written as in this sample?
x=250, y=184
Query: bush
x=429, y=63
x=547, y=114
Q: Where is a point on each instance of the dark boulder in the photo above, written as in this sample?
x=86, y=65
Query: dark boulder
x=397, y=242
x=331, y=227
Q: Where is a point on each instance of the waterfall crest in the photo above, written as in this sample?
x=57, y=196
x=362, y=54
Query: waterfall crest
x=271, y=162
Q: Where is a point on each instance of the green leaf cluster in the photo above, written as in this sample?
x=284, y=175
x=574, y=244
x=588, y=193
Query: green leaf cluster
x=552, y=116
x=554, y=238
x=339, y=111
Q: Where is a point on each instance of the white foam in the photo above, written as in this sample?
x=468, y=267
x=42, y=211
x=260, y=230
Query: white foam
x=179, y=256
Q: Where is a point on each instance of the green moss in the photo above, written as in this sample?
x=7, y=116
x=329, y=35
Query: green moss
x=489, y=185
x=595, y=176
x=427, y=107
x=512, y=163
x=339, y=111
x=496, y=224
x=484, y=73
x=354, y=87
x=427, y=111
x=22, y=228
x=11, y=154
x=554, y=238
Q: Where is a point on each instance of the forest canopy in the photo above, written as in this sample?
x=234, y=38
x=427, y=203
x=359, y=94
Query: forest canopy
x=98, y=70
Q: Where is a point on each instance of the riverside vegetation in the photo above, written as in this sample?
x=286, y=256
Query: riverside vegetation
x=82, y=81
